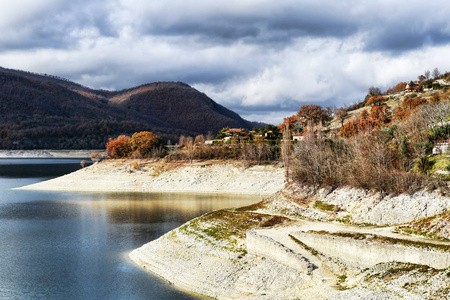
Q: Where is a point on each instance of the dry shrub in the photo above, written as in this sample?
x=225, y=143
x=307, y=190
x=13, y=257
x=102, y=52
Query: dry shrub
x=96, y=156
x=136, y=165
x=249, y=153
x=368, y=161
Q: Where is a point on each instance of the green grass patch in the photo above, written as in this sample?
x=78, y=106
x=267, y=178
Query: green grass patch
x=397, y=269
x=340, y=282
x=412, y=231
x=324, y=206
x=227, y=228
x=386, y=240
x=304, y=246
x=252, y=207
x=345, y=220
x=440, y=163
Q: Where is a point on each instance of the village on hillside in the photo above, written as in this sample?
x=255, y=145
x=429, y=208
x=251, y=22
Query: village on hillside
x=332, y=120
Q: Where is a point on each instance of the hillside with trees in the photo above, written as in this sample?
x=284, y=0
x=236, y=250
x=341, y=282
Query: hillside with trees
x=392, y=142
x=39, y=111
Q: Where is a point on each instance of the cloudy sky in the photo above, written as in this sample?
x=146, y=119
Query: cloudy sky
x=263, y=59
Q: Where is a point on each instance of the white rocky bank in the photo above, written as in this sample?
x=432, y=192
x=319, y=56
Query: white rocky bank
x=274, y=268
x=198, y=258
x=360, y=206
x=119, y=175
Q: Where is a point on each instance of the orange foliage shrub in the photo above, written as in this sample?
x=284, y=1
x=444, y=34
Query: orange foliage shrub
x=119, y=147
x=397, y=88
x=435, y=98
x=143, y=142
x=412, y=103
x=380, y=114
x=350, y=128
x=353, y=127
x=375, y=100
x=408, y=105
x=364, y=115
x=402, y=113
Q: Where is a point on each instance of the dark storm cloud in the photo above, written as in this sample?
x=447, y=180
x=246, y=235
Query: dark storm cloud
x=407, y=35
x=264, y=22
x=56, y=24
x=257, y=26
x=261, y=58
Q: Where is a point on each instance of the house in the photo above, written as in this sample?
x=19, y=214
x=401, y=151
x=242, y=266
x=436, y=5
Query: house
x=414, y=87
x=441, y=147
x=298, y=137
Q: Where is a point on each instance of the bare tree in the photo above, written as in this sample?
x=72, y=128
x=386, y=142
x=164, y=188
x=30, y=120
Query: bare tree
x=374, y=91
x=286, y=150
x=96, y=156
x=199, y=139
x=182, y=141
x=436, y=73
x=189, y=146
x=427, y=74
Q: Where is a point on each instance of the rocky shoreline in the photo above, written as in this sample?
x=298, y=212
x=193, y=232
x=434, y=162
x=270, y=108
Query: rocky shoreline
x=150, y=176
x=47, y=153
x=298, y=244
x=295, y=244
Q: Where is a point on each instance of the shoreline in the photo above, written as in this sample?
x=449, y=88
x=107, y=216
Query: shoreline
x=283, y=247
x=286, y=247
x=47, y=153
x=202, y=177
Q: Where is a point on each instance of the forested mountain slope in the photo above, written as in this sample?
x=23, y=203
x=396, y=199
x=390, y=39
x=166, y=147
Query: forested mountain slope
x=42, y=111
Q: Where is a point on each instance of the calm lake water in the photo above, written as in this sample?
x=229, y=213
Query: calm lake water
x=74, y=245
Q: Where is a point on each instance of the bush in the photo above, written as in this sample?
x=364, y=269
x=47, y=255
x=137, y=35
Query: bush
x=119, y=147
x=143, y=143
x=96, y=156
x=369, y=161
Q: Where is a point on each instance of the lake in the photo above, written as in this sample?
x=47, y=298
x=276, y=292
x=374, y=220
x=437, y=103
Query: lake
x=68, y=245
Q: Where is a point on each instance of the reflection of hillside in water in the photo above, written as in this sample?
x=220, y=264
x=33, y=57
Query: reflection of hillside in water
x=147, y=208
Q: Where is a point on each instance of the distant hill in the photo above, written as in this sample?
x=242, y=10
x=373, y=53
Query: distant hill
x=42, y=111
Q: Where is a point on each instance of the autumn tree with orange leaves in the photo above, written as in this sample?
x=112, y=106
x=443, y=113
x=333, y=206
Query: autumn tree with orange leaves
x=342, y=115
x=119, y=147
x=380, y=114
x=375, y=100
x=408, y=105
x=397, y=88
x=362, y=124
x=312, y=114
x=289, y=123
x=143, y=143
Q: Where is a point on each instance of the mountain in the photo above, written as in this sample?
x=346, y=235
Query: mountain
x=41, y=111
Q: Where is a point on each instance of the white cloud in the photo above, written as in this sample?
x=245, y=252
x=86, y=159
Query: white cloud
x=252, y=56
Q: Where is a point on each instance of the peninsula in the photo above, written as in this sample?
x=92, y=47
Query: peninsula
x=299, y=242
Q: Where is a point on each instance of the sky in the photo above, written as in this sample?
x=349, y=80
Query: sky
x=262, y=59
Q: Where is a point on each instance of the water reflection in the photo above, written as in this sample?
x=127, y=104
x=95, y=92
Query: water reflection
x=43, y=210
x=57, y=245
x=147, y=208
x=42, y=167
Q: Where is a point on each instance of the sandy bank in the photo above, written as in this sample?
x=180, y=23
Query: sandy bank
x=266, y=250
x=212, y=177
